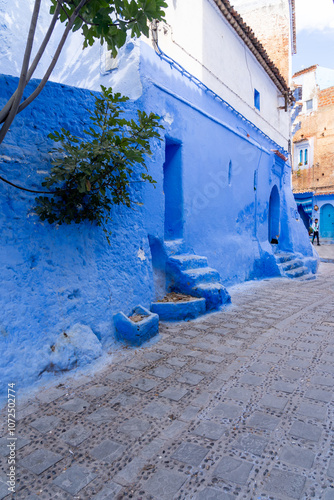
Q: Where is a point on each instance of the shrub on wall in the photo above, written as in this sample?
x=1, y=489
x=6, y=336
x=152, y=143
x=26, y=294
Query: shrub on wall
x=89, y=174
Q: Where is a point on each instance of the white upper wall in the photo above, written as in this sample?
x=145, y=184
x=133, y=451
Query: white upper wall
x=309, y=90
x=204, y=43
x=77, y=67
x=312, y=81
x=201, y=40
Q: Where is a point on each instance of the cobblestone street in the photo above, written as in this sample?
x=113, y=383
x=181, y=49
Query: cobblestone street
x=237, y=404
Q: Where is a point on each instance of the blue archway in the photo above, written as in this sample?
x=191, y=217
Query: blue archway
x=305, y=217
x=274, y=215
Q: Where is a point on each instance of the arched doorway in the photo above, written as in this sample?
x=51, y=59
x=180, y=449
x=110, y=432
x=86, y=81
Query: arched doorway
x=304, y=216
x=274, y=216
x=327, y=221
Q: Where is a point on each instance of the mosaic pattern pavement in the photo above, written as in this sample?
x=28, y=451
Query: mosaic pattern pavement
x=236, y=405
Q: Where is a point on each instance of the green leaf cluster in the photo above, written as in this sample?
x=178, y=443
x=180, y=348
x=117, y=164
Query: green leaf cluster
x=91, y=174
x=111, y=21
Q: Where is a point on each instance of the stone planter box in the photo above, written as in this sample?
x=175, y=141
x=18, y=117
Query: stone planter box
x=178, y=311
x=135, y=333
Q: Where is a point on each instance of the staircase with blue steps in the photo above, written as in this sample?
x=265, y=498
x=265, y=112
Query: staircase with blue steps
x=294, y=265
x=189, y=273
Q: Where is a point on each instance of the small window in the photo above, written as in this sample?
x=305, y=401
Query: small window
x=301, y=156
x=309, y=104
x=298, y=93
x=257, y=99
x=229, y=173
x=306, y=157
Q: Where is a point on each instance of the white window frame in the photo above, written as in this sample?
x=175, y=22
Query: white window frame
x=307, y=160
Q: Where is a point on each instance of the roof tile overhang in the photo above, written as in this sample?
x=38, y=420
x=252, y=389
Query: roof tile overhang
x=306, y=70
x=279, y=154
x=257, y=49
x=304, y=192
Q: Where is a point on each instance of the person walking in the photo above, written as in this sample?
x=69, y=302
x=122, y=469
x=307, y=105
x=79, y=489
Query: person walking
x=315, y=227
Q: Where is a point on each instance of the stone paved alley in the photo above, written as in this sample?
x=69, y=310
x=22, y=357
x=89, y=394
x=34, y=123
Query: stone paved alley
x=238, y=404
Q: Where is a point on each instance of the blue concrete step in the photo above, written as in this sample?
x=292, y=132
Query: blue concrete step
x=291, y=264
x=174, y=247
x=189, y=273
x=214, y=293
x=200, y=275
x=297, y=272
x=295, y=266
x=307, y=277
x=186, y=261
x=284, y=257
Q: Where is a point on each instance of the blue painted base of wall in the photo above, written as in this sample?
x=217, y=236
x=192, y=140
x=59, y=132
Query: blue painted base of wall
x=135, y=333
x=179, y=311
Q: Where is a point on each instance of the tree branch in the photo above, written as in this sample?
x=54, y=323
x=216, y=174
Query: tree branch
x=109, y=25
x=87, y=22
x=60, y=4
x=23, y=76
x=5, y=110
x=26, y=189
x=55, y=58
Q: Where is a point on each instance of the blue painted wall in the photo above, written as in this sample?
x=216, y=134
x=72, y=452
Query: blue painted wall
x=54, y=277
x=228, y=173
x=325, y=204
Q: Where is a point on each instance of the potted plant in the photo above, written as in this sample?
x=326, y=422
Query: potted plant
x=136, y=328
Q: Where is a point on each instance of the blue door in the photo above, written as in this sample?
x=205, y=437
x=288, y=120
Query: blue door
x=327, y=221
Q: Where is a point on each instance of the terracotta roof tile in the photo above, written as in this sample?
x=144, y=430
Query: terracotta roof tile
x=306, y=70
x=301, y=191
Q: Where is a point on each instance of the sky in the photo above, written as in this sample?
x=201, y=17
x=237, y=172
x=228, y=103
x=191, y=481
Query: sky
x=315, y=34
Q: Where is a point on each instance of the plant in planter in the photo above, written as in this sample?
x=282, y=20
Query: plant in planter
x=136, y=328
x=178, y=307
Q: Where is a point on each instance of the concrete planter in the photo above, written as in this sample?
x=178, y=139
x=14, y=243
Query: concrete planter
x=178, y=311
x=135, y=333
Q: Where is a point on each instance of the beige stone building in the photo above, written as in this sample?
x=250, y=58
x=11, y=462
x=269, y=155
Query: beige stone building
x=273, y=22
x=313, y=147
